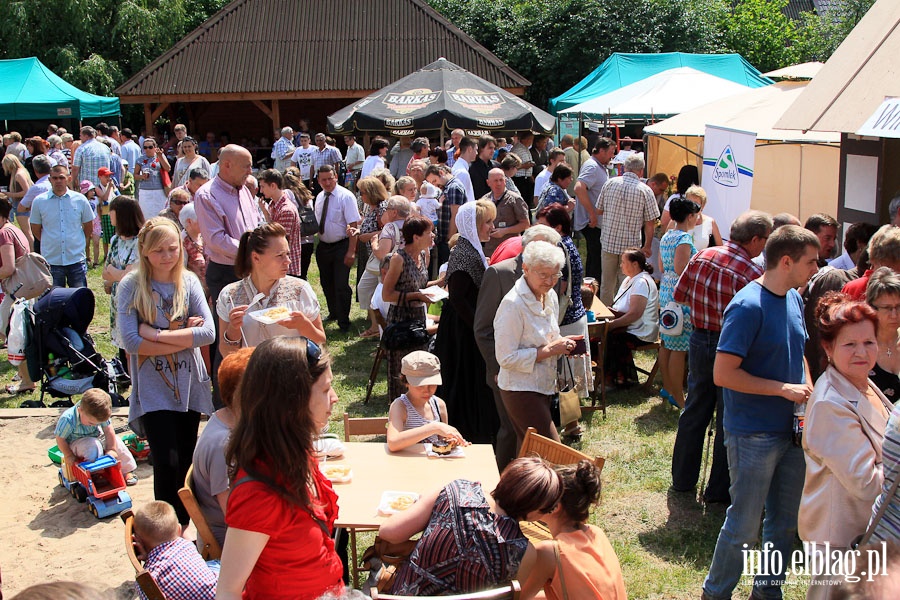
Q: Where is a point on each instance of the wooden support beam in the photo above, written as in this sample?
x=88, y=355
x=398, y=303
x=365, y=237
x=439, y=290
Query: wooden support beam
x=265, y=109
x=160, y=109
x=148, y=120
x=276, y=117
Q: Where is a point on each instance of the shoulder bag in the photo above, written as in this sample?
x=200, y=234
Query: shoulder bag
x=383, y=558
x=309, y=225
x=404, y=335
x=31, y=277
x=671, y=319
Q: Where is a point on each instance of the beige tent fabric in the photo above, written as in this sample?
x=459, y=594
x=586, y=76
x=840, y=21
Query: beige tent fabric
x=862, y=72
x=800, y=177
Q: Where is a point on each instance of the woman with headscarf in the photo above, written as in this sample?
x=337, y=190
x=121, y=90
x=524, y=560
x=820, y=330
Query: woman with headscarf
x=470, y=403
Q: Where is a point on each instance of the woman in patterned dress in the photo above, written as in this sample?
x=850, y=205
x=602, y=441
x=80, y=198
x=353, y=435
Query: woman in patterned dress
x=407, y=274
x=126, y=216
x=471, y=541
x=675, y=250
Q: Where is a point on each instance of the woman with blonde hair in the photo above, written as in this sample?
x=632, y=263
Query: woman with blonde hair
x=373, y=195
x=19, y=182
x=163, y=319
x=406, y=187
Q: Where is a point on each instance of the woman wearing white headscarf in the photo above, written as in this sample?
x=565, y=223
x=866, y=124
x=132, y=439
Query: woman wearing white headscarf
x=470, y=403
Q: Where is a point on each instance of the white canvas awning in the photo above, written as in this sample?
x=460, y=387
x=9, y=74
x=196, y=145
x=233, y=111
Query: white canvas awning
x=668, y=93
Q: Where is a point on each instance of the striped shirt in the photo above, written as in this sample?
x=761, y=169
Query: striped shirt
x=710, y=281
x=626, y=204
x=889, y=526
x=415, y=419
x=89, y=158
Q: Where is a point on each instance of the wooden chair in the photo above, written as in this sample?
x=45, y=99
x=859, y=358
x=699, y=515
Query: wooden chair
x=554, y=452
x=361, y=426
x=508, y=592
x=211, y=550
x=143, y=577
x=380, y=353
x=364, y=426
x=599, y=336
x=558, y=454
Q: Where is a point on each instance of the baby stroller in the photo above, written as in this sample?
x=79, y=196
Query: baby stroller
x=61, y=353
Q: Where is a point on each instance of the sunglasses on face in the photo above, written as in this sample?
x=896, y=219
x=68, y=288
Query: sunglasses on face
x=149, y=147
x=179, y=202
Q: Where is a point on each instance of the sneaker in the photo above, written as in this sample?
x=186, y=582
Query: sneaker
x=131, y=479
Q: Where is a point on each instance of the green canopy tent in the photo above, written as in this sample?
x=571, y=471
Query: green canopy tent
x=31, y=91
x=621, y=69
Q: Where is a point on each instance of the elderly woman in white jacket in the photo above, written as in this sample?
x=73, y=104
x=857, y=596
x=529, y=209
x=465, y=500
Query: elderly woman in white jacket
x=846, y=419
x=530, y=343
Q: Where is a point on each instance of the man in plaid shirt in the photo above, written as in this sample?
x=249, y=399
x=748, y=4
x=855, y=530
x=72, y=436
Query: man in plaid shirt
x=454, y=197
x=323, y=154
x=283, y=149
x=707, y=285
x=626, y=204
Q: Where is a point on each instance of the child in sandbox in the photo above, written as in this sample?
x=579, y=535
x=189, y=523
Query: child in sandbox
x=78, y=434
x=418, y=415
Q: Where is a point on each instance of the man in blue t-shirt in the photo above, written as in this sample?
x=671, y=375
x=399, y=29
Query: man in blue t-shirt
x=760, y=365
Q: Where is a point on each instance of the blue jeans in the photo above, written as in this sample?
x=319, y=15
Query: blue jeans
x=767, y=472
x=703, y=399
x=74, y=275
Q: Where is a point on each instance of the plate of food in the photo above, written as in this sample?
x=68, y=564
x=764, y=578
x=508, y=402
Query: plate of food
x=444, y=449
x=271, y=315
x=329, y=446
x=337, y=473
x=394, y=502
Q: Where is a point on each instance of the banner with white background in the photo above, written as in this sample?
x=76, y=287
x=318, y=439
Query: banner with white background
x=727, y=173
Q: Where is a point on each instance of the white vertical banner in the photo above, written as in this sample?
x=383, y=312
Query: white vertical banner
x=727, y=173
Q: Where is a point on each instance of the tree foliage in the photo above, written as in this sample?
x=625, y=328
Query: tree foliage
x=97, y=44
x=556, y=43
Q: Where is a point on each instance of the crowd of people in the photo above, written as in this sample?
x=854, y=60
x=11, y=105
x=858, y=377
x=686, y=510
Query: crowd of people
x=805, y=432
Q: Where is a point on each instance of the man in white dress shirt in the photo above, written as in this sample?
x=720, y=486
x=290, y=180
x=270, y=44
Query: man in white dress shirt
x=468, y=151
x=338, y=215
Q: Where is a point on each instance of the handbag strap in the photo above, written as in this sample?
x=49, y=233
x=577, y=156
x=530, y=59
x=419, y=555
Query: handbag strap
x=559, y=569
x=881, y=510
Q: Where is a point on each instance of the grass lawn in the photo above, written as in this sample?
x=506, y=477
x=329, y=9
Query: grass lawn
x=665, y=543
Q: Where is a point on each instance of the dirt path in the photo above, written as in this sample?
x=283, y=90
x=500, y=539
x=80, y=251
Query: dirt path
x=45, y=535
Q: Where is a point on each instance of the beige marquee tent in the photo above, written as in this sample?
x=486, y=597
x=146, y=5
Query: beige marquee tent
x=794, y=172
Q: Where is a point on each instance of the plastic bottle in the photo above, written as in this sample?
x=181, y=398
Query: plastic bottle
x=799, y=421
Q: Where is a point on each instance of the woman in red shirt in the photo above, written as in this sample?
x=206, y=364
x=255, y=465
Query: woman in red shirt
x=281, y=509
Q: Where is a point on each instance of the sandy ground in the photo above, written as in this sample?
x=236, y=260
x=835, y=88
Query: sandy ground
x=45, y=534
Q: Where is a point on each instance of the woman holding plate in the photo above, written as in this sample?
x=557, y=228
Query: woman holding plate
x=248, y=309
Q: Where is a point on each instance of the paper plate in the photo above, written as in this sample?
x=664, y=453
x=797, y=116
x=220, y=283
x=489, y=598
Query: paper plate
x=389, y=498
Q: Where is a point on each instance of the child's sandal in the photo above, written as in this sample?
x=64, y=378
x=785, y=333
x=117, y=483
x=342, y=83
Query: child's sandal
x=131, y=479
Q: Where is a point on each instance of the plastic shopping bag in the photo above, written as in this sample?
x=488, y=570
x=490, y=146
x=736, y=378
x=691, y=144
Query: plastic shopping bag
x=15, y=343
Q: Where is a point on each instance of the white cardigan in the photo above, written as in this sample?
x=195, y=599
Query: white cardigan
x=521, y=327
